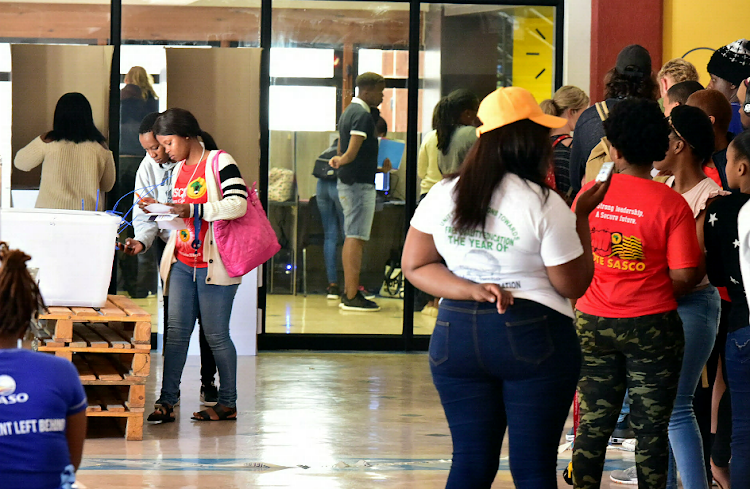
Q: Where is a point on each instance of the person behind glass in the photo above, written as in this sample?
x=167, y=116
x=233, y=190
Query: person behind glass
x=427, y=159
x=456, y=129
x=153, y=184
x=724, y=267
x=691, y=144
x=568, y=102
x=329, y=206
x=646, y=253
x=137, y=99
x=513, y=253
x=357, y=164
x=43, y=415
x=719, y=111
x=631, y=77
x=194, y=275
x=728, y=66
x=76, y=164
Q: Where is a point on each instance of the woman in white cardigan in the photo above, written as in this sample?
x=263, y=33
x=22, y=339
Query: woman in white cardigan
x=76, y=162
x=191, y=267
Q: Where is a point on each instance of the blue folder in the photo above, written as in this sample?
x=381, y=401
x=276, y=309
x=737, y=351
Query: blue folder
x=391, y=149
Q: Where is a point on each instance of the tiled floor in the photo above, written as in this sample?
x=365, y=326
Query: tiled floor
x=307, y=420
x=316, y=314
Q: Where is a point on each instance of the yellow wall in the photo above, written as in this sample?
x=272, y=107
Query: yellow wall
x=689, y=24
x=526, y=39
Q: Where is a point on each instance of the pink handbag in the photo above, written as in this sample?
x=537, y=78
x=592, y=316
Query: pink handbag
x=248, y=241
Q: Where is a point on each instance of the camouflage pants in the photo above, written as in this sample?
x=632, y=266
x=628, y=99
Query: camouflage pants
x=644, y=355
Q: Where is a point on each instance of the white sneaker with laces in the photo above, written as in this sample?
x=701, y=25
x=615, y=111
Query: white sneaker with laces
x=628, y=476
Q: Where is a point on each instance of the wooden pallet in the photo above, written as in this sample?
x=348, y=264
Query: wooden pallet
x=110, y=348
x=118, y=309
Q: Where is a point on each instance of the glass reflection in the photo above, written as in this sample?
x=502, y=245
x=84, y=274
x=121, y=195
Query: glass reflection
x=509, y=46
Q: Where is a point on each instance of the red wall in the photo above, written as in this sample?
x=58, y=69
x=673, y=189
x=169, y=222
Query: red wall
x=616, y=24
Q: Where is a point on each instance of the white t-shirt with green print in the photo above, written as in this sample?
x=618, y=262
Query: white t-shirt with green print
x=524, y=234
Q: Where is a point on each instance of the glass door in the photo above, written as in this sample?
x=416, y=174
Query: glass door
x=507, y=46
x=317, y=51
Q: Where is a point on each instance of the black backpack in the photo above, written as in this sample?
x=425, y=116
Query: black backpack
x=322, y=169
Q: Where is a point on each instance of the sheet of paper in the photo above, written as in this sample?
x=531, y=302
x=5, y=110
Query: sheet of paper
x=164, y=221
x=175, y=224
x=158, y=209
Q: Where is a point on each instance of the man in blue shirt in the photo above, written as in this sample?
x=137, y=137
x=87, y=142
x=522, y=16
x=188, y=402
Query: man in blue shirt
x=357, y=163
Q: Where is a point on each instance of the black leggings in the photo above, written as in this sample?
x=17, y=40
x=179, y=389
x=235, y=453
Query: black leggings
x=715, y=447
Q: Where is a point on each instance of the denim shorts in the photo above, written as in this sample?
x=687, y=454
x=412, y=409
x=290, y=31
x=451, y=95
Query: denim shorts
x=358, y=203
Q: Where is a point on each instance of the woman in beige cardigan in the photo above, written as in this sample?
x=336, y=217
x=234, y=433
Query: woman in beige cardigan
x=76, y=163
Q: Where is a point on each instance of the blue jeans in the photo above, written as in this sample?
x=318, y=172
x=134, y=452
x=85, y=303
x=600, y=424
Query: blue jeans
x=517, y=370
x=738, y=374
x=699, y=312
x=214, y=302
x=332, y=216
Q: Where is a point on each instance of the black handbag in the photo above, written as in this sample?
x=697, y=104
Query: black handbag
x=322, y=169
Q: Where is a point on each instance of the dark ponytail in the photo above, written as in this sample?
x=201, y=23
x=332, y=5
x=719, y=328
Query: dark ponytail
x=208, y=141
x=522, y=148
x=448, y=112
x=20, y=299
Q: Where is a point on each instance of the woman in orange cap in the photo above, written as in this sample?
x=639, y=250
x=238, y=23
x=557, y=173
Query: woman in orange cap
x=504, y=352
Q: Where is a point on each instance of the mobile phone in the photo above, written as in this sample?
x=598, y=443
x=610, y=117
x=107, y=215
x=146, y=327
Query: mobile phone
x=605, y=172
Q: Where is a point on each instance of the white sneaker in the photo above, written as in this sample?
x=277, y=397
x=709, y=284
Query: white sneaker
x=628, y=476
x=629, y=445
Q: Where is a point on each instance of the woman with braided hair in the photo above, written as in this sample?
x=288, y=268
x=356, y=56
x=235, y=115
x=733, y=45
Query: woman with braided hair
x=42, y=402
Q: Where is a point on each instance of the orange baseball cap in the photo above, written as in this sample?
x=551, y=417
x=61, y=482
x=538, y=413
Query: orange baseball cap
x=512, y=104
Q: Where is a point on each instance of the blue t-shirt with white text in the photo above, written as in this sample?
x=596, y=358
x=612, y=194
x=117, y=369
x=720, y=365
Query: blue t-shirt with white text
x=37, y=393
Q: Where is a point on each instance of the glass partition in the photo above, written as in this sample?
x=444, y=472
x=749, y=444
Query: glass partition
x=318, y=49
x=508, y=46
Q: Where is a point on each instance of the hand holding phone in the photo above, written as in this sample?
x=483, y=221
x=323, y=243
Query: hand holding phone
x=605, y=172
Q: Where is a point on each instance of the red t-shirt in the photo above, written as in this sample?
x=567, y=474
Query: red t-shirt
x=640, y=231
x=190, y=188
x=713, y=174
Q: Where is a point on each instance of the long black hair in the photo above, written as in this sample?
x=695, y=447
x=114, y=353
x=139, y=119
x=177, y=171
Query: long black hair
x=522, y=148
x=448, y=112
x=181, y=122
x=74, y=121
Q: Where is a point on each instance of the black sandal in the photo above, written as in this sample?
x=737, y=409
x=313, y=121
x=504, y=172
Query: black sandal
x=164, y=413
x=218, y=412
